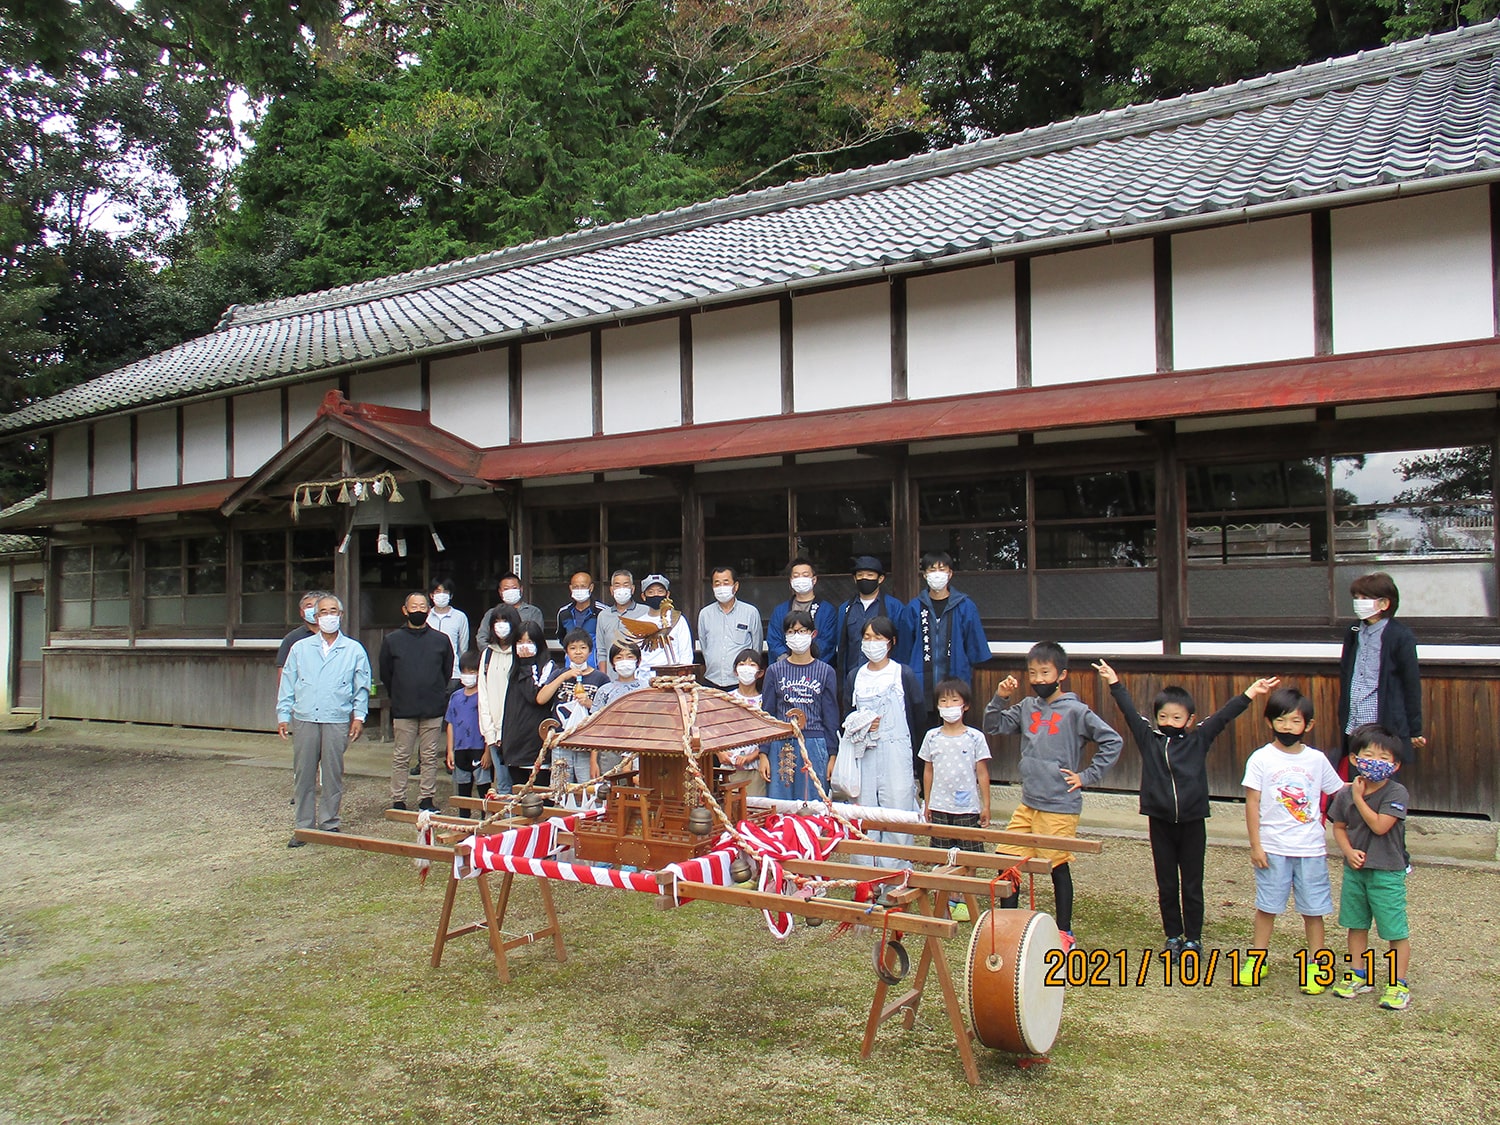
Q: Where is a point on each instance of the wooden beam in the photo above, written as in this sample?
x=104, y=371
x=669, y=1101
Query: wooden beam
x=376, y=844
x=939, y=880
x=986, y=835
x=992, y=860
x=830, y=910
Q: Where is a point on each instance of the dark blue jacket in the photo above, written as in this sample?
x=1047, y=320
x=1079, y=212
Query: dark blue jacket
x=852, y=619
x=967, y=644
x=825, y=631
x=1399, y=694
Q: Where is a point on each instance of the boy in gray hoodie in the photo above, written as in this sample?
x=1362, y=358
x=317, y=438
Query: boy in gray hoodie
x=1054, y=725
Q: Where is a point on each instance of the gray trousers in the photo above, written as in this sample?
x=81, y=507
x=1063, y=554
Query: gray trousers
x=318, y=751
x=423, y=736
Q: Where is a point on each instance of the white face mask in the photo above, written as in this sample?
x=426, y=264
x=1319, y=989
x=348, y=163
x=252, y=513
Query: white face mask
x=723, y=594
x=578, y=665
x=329, y=622
x=525, y=650
x=581, y=596
x=511, y=596
x=950, y=714
x=625, y=669
x=875, y=650
x=937, y=579
x=441, y=600
x=623, y=595
x=746, y=673
x=1365, y=608
x=468, y=679
x=802, y=585
x=501, y=630
x=799, y=642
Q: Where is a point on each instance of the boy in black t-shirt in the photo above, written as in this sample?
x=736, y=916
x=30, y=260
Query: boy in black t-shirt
x=1369, y=823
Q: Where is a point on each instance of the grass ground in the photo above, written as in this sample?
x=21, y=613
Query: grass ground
x=164, y=958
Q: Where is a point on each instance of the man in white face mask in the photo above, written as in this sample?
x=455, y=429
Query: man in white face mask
x=581, y=610
x=803, y=577
x=322, y=704
x=725, y=629
x=451, y=621
x=622, y=603
x=944, y=634
x=510, y=594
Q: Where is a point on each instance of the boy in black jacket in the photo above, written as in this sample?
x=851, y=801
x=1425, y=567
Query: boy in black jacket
x=1174, y=796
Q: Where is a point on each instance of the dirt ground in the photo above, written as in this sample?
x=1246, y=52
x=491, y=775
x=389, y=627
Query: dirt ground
x=164, y=957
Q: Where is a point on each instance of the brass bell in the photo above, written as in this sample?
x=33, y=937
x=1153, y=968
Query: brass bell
x=532, y=806
x=741, y=870
x=700, y=821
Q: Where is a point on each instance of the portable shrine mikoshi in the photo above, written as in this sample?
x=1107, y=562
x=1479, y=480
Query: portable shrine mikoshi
x=700, y=838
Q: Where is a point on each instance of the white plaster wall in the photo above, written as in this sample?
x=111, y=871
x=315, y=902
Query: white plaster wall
x=737, y=363
x=205, y=446
x=257, y=430
x=557, y=396
x=303, y=401
x=470, y=397
x=156, y=449
x=70, y=462
x=1093, y=314
x=841, y=348
x=395, y=386
x=1412, y=271
x=961, y=332
x=1242, y=294
x=112, y=455
x=641, y=367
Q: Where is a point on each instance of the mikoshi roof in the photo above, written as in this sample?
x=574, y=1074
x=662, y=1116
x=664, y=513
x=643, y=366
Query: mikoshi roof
x=1420, y=114
x=652, y=720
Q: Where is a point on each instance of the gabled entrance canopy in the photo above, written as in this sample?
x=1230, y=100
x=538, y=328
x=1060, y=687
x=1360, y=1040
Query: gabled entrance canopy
x=348, y=439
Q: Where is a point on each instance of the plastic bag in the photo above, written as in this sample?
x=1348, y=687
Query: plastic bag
x=845, y=779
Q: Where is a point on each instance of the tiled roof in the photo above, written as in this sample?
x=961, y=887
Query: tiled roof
x=1414, y=113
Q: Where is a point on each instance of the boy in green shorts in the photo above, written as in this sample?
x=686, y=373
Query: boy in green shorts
x=1369, y=823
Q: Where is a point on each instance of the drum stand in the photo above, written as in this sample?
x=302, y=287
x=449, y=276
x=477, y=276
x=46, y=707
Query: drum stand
x=905, y=1005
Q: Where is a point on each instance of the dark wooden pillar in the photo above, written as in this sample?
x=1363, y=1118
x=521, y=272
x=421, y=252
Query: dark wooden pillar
x=1171, y=553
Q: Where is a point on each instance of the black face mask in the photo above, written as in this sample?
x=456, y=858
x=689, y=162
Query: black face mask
x=1171, y=731
x=1046, y=691
x=866, y=586
x=654, y=601
x=417, y=617
x=1285, y=738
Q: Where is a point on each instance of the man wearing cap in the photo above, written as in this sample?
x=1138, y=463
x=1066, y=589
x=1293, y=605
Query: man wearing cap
x=726, y=628
x=677, y=639
x=869, y=602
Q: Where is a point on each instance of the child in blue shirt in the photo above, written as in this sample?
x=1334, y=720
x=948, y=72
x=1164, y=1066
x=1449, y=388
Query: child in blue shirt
x=468, y=757
x=801, y=680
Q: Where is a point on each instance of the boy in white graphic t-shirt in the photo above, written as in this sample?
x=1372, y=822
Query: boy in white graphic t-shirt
x=1284, y=784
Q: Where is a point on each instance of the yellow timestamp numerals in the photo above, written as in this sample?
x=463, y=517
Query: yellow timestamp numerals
x=1124, y=968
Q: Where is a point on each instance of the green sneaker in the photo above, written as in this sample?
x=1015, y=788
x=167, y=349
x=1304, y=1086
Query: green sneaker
x=1351, y=986
x=1310, y=987
x=1248, y=976
x=958, y=911
x=1396, y=997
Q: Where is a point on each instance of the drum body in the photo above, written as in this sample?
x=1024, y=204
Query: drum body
x=1011, y=1006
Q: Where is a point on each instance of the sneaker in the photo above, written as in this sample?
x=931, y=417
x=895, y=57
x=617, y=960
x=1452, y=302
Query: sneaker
x=1068, y=940
x=427, y=805
x=1248, y=977
x=1310, y=986
x=1351, y=986
x=1173, y=950
x=1191, y=946
x=296, y=843
x=1396, y=997
x=958, y=911
x=399, y=806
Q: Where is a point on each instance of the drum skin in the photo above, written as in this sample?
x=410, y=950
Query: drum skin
x=1011, y=1007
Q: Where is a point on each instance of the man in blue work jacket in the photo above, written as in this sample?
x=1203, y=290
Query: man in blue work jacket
x=322, y=704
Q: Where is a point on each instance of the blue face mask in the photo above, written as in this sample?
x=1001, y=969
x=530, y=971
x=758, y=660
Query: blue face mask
x=1374, y=769
x=310, y=615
